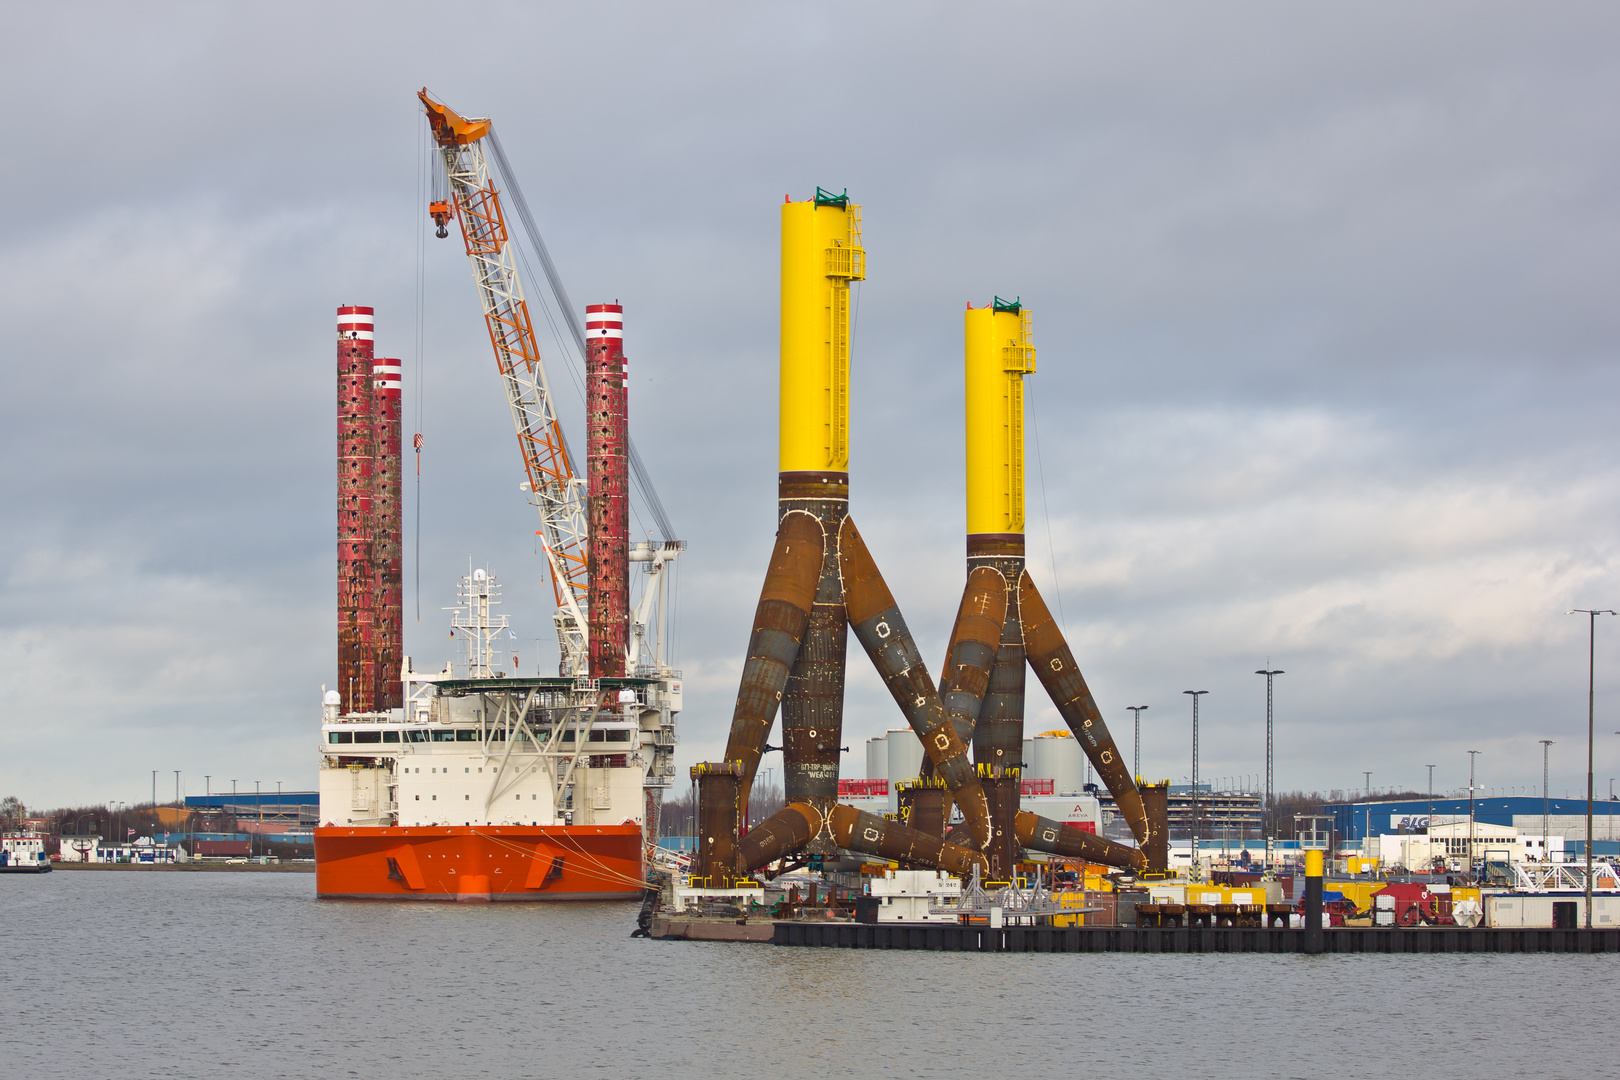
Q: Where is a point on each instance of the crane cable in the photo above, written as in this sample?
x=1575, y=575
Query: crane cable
x=1051, y=550
x=422, y=168
x=638, y=468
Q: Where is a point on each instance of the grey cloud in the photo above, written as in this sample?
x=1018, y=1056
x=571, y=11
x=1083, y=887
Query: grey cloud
x=1321, y=299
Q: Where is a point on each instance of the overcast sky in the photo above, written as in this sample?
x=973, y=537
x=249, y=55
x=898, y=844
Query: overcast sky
x=1324, y=304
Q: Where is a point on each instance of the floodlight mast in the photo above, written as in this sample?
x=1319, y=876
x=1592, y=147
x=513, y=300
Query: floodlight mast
x=1591, y=708
x=1271, y=795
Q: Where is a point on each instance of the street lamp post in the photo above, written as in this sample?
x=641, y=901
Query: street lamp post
x=1471, y=755
x=1591, y=702
x=1195, y=694
x=1136, y=742
x=1546, y=747
x=1366, y=835
x=1428, y=829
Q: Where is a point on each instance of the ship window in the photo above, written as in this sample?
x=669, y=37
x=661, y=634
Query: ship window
x=618, y=736
x=341, y=737
x=466, y=735
x=416, y=736
x=435, y=798
x=419, y=798
x=568, y=736
x=444, y=736
x=367, y=736
x=598, y=736
x=390, y=736
x=467, y=797
x=466, y=770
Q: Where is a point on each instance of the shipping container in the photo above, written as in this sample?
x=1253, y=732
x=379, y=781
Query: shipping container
x=1550, y=910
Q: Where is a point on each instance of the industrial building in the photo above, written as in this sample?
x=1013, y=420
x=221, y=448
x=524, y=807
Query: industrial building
x=1565, y=817
x=1459, y=844
x=1236, y=817
x=285, y=807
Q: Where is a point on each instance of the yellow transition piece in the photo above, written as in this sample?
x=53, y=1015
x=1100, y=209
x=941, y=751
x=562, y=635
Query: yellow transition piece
x=821, y=255
x=997, y=356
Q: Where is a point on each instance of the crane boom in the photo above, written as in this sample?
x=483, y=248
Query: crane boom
x=554, y=489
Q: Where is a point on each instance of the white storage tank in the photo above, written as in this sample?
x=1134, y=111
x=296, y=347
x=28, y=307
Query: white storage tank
x=905, y=755
x=877, y=758
x=1057, y=758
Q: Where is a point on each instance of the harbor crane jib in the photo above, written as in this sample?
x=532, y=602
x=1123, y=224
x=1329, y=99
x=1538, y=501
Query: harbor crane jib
x=554, y=487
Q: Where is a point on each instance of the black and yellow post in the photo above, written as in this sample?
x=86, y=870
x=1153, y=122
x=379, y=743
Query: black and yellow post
x=1313, y=901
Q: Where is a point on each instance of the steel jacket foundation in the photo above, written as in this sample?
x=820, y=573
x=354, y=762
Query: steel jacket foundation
x=822, y=580
x=1002, y=622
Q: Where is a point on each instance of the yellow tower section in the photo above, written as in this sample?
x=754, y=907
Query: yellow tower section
x=821, y=255
x=997, y=356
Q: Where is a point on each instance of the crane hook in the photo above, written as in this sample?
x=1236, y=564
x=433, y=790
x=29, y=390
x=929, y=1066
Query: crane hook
x=439, y=211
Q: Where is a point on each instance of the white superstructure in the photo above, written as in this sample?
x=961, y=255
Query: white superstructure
x=476, y=745
x=909, y=896
x=23, y=852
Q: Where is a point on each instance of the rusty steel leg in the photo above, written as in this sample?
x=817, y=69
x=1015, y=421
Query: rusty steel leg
x=1054, y=665
x=871, y=835
x=783, y=833
x=998, y=735
x=975, y=637
x=779, y=627
x=883, y=633
x=719, y=816
x=813, y=699
x=998, y=746
x=925, y=804
x=1156, y=806
x=972, y=650
x=1055, y=838
x=1003, y=794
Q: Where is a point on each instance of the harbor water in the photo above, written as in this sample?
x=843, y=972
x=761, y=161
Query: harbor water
x=192, y=974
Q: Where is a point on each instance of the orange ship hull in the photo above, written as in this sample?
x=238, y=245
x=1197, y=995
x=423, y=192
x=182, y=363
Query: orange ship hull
x=479, y=862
